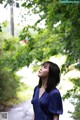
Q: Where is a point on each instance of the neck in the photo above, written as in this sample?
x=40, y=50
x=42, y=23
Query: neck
x=44, y=82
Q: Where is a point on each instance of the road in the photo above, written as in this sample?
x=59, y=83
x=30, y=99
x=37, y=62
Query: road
x=23, y=111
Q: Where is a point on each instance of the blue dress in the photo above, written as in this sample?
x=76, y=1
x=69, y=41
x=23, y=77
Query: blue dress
x=47, y=105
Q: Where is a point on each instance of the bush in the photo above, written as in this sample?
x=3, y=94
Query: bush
x=9, y=84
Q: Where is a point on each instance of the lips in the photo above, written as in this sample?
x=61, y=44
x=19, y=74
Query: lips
x=39, y=72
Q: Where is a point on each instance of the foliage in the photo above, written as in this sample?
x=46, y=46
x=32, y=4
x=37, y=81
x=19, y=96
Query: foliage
x=76, y=99
x=69, y=16
x=64, y=39
x=25, y=33
x=43, y=44
x=46, y=45
x=10, y=2
x=12, y=57
x=67, y=32
x=75, y=95
x=9, y=84
x=1, y=1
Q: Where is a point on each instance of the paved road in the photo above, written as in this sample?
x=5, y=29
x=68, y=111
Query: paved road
x=23, y=111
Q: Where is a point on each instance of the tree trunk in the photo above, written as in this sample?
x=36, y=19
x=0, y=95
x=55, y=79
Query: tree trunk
x=12, y=19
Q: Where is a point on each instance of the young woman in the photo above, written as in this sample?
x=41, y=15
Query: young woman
x=47, y=102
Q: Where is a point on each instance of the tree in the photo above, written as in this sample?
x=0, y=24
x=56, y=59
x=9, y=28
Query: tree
x=9, y=82
x=65, y=38
x=11, y=3
x=67, y=32
x=69, y=16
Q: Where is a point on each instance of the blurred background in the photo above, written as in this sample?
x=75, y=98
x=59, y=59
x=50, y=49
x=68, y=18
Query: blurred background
x=31, y=32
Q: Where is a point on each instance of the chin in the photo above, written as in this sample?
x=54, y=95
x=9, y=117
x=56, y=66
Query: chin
x=39, y=75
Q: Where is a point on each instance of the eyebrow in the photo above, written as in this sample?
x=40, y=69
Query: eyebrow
x=44, y=64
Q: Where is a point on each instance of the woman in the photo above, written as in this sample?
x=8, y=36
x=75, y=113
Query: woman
x=47, y=103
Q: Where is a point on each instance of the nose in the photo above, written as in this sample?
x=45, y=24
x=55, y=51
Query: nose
x=41, y=68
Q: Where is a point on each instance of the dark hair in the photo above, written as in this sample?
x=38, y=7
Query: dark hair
x=53, y=78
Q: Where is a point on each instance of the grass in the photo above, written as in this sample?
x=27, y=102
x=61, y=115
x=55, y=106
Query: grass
x=24, y=94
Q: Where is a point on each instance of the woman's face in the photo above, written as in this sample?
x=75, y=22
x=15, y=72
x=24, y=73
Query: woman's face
x=44, y=70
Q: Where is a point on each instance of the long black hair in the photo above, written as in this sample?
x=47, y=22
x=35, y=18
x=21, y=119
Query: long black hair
x=53, y=77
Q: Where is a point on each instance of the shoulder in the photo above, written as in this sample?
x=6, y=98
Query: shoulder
x=55, y=96
x=55, y=92
x=35, y=88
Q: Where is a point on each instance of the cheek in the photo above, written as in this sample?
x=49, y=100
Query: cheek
x=43, y=74
x=46, y=73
